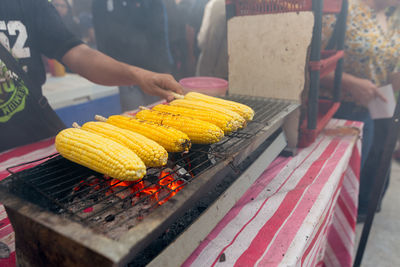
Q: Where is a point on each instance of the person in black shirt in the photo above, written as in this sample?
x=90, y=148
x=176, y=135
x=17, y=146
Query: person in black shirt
x=32, y=28
x=65, y=11
x=134, y=32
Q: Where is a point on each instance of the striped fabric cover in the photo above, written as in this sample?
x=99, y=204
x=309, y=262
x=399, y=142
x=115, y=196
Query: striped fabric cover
x=12, y=158
x=301, y=210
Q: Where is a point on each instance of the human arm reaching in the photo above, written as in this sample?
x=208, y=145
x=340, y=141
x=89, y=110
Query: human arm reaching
x=102, y=69
x=362, y=90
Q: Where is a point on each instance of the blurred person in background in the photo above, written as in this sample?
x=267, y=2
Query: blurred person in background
x=395, y=79
x=87, y=29
x=134, y=32
x=212, y=41
x=177, y=38
x=30, y=29
x=372, y=50
x=65, y=11
x=192, y=13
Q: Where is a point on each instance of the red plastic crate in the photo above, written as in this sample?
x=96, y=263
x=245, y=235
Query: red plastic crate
x=326, y=110
x=332, y=6
x=255, y=7
x=327, y=64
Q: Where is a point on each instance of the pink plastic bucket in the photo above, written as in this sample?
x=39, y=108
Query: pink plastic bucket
x=206, y=85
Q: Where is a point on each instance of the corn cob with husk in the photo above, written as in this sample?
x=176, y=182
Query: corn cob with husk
x=152, y=154
x=171, y=139
x=222, y=121
x=238, y=121
x=100, y=154
x=245, y=111
x=199, y=132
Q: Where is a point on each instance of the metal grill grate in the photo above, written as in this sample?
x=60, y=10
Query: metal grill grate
x=104, y=204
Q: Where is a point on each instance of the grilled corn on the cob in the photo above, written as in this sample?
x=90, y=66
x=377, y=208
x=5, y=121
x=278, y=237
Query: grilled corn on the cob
x=171, y=139
x=222, y=121
x=152, y=154
x=243, y=110
x=199, y=132
x=238, y=121
x=100, y=154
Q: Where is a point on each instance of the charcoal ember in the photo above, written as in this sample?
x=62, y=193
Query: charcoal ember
x=95, y=198
x=110, y=218
x=152, y=178
x=4, y=251
x=127, y=203
x=122, y=192
x=97, y=218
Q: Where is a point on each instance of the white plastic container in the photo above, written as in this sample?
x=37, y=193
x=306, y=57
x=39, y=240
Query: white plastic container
x=76, y=99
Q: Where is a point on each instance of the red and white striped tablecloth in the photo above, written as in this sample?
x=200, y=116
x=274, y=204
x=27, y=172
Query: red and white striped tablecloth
x=301, y=211
x=11, y=158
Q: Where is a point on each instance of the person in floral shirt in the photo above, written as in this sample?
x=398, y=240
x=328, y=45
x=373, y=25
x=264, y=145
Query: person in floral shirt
x=372, y=52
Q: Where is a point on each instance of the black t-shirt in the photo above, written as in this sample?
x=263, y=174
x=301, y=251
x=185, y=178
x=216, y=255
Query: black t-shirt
x=29, y=29
x=32, y=28
x=134, y=32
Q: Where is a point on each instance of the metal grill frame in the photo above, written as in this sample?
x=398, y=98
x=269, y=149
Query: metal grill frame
x=104, y=184
x=267, y=121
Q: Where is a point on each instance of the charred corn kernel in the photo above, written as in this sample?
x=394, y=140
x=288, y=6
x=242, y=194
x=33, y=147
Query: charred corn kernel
x=222, y=121
x=100, y=154
x=243, y=110
x=152, y=154
x=171, y=139
x=199, y=132
x=238, y=121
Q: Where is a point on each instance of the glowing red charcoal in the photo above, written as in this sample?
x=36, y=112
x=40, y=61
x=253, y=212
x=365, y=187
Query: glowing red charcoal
x=167, y=179
x=152, y=190
x=117, y=187
x=166, y=187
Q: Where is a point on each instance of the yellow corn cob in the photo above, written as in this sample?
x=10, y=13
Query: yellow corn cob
x=152, y=154
x=238, y=121
x=171, y=139
x=243, y=110
x=100, y=154
x=199, y=132
x=222, y=121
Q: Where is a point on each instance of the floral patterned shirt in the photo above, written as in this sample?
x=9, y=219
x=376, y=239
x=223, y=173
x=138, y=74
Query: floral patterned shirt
x=370, y=52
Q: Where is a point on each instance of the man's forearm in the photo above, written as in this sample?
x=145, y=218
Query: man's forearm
x=100, y=68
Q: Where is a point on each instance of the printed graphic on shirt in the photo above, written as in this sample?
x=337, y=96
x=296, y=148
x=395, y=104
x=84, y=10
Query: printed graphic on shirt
x=13, y=92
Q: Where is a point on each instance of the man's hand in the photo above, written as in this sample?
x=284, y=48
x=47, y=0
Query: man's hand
x=158, y=84
x=363, y=91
